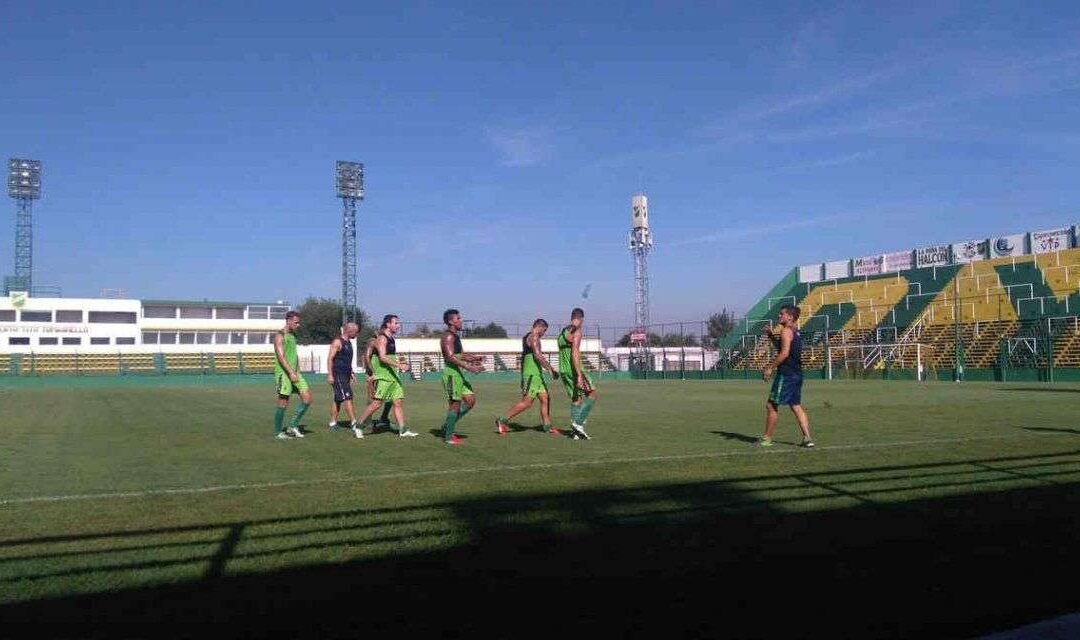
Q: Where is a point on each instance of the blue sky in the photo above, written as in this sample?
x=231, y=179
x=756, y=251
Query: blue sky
x=189, y=147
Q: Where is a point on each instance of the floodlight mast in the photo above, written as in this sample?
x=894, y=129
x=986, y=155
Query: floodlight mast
x=24, y=186
x=641, y=243
x=350, y=188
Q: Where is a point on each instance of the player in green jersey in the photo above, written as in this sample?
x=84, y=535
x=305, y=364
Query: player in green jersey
x=386, y=366
x=460, y=396
x=533, y=385
x=288, y=378
x=577, y=383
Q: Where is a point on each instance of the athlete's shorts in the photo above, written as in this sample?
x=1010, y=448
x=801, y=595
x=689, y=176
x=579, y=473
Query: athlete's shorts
x=455, y=385
x=572, y=389
x=342, y=388
x=533, y=385
x=786, y=389
x=388, y=390
x=287, y=387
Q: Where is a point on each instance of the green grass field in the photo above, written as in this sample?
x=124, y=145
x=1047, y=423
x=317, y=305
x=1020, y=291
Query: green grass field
x=927, y=509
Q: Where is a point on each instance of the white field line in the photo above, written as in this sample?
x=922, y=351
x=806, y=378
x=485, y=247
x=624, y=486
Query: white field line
x=121, y=495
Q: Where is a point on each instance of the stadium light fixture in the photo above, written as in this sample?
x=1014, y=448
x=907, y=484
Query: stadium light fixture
x=350, y=179
x=24, y=178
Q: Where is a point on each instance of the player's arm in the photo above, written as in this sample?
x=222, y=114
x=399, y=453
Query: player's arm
x=369, y=350
x=575, y=354
x=786, y=335
x=538, y=352
x=279, y=352
x=335, y=346
x=446, y=343
x=380, y=347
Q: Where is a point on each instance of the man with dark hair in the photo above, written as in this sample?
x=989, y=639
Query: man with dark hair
x=386, y=365
x=288, y=379
x=460, y=396
x=533, y=385
x=340, y=375
x=576, y=382
x=787, y=385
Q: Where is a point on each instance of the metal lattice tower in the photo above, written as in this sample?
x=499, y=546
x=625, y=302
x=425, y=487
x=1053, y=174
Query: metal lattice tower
x=350, y=188
x=24, y=186
x=641, y=243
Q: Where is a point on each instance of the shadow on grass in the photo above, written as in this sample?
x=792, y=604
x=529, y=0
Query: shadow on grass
x=722, y=558
x=1052, y=430
x=741, y=437
x=1040, y=389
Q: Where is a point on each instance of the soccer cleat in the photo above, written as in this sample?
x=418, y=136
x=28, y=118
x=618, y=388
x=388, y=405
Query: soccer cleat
x=579, y=431
x=501, y=427
x=334, y=425
x=807, y=444
x=554, y=432
x=295, y=432
x=282, y=436
x=764, y=442
x=454, y=440
x=407, y=434
x=357, y=431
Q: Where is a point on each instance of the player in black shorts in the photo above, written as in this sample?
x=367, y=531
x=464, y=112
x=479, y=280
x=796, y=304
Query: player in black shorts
x=340, y=375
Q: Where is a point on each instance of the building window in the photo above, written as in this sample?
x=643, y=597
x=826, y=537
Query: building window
x=166, y=338
x=112, y=317
x=13, y=341
x=258, y=338
x=47, y=342
x=221, y=338
x=36, y=316
x=125, y=341
x=204, y=337
x=258, y=313
x=7, y=315
x=278, y=313
x=187, y=338
x=149, y=337
x=72, y=341
x=196, y=313
x=75, y=315
x=159, y=312
x=237, y=338
x=229, y=313
x=99, y=341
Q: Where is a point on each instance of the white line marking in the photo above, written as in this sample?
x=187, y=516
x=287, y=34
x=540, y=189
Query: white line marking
x=120, y=495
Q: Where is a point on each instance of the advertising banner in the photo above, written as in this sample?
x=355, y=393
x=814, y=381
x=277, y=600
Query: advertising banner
x=963, y=252
x=810, y=273
x=1052, y=240
x=897, y=261
x=868, y=265
x=837, y=269
x=1005, y=246
x=936, y=256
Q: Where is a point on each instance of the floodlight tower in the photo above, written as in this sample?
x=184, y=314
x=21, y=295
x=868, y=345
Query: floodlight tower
x=350, y=188
x=24, y=186
x=641, y=243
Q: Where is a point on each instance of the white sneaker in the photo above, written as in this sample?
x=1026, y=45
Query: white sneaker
x=579, y=430
x=295, y=432
x=408, y=434
x=357, y=431
x=282, y=436
x=333, y=425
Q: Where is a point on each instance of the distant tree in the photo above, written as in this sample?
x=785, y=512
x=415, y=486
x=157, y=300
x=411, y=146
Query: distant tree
x=721, y=324
x=490, y=330
x=320, y=322
x=666, y=340
x=424, y=331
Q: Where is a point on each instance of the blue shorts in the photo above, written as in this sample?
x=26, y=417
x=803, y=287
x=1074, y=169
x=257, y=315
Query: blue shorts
x=786, y=389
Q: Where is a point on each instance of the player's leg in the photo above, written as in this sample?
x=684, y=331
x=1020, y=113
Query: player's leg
x=305, y=404
x=453, y=412
x=399, y=415
x=502, y=423
x=772, y=416
x=804, y=424
x=350, y=411
x=335, y=408
x=586, y=395
x=279, y=416
x=545, y=411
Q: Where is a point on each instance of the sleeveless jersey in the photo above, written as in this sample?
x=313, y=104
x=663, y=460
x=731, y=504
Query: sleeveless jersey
x=456, y=349
x=530, y=364
x=793, y=363
x=288, y=345
x=344, y=357
x=381, y=371
x=566, y=353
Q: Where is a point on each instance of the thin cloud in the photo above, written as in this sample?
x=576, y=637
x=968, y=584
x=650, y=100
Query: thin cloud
x=833, y=161
x=742, y=233
x=523, y=146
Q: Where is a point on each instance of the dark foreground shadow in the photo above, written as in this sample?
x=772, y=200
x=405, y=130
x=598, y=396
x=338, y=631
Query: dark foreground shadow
x=1046, y=389
x=1052, y=430
x=709, y=559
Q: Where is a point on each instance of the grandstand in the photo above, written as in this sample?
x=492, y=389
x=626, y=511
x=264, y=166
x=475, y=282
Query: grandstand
x=970, y=311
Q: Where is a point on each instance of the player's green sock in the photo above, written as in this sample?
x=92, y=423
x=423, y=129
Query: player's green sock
x=547, y=428
x=279, y=420
x=387, y=407
x=300, y=411
x=574, y=411
x=583, y=412
x=463, y=410
x=451, y=421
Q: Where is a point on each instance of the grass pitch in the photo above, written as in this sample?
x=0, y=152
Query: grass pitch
x=927, y=509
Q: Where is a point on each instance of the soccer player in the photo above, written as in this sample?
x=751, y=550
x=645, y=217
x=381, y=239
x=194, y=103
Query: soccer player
x=533, y=385
x=340, y=375
x=384, y=419
x=386, y=366
x=577, y=383
x=288, y=378
x=460, y=396
x=787, y=385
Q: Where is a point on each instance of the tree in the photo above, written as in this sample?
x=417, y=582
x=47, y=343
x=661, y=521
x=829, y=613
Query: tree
x=490, y=330
x=721, y=324
x=320, y=322
x=666, y=340
x=424, y=331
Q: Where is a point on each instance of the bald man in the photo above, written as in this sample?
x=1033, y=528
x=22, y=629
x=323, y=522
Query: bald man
x=339, y=368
